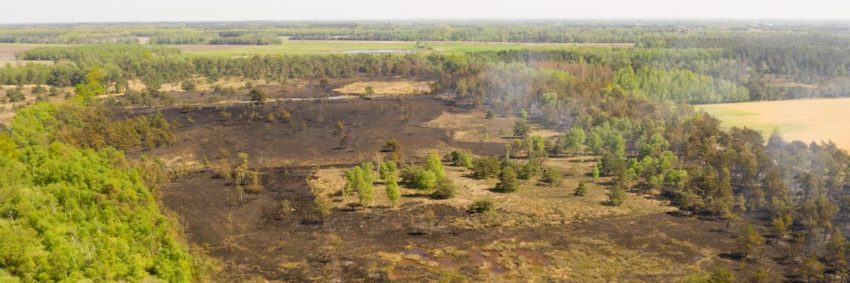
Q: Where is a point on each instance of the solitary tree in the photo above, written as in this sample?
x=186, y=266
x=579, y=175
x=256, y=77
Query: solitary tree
x=521, y=128
x=617, y=194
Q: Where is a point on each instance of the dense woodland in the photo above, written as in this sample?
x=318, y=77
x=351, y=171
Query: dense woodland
x=626, y=107
x=74, y=207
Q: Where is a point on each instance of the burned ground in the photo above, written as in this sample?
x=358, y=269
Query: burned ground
x=257, y=236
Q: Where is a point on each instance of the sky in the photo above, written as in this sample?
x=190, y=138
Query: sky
x=66, y=11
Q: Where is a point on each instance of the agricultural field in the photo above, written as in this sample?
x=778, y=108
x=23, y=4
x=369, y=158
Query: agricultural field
x=806, y=119
x=7, y=54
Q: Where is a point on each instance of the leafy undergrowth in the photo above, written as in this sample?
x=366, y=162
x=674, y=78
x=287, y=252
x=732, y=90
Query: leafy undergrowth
x=69, y=214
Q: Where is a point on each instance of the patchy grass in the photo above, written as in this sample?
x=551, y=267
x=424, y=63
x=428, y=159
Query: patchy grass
x=402, y=87
x=794, y=119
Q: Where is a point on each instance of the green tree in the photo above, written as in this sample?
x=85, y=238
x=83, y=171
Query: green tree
x=508, y=181
x=521, y=128
x=393, y=192
x=485, y=167
x=574, y=140
x=617, y=194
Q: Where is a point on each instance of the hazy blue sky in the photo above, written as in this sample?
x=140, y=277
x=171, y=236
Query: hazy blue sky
x=28, y=11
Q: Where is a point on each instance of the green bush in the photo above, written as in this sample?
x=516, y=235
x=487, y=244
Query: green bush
x=485, y=167
x=617, y=195
x=551, y=177
x=15, y=95
x=581, y=190
x=425, y=180
x=460, y=158
x=481, y=206
x=445, y=189
x=508, y=181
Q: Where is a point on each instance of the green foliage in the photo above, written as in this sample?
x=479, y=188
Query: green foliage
x=679, y=85
x=581, y=190
x=485, y=167
x=551, y=177
x=434, y=164
x=425, y=180
x=521, y=128
x=14, y=95
x=749, y=240
x=258, y=97
x=445, y=189
x=616, y=195
x=361, y=179
x=188, y=85
x=393, y=192
x=574, y=140
x=595, y=172
x=508, y=181
x=111, y=228
x=481, y=206
x=462, y=158
x=388, y=169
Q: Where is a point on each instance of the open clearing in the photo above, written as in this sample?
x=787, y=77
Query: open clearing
x=806, y=120
x=402, y=87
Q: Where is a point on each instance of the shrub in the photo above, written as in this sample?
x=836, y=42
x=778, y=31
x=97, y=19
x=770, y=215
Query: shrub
x=188, y=85
x=388, y=169
x=445, y=189
x=15, y=95
x=581, y=190
x=285, y=208
x=489, y=114
x=258, y=97
x=521, y=128
x=425, y=180
x=435, y=165
x=595, y=172
x=481, y=206
x=485, y=167
x=617, y=195
x=460, y=158
x=551, y=177
x=39, y=89
x=508, y=181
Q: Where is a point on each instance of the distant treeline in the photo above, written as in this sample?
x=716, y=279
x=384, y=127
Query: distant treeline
x=759, y=68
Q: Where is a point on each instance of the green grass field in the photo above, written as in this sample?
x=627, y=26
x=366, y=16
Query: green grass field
x=807, y=120
x=342, y=47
